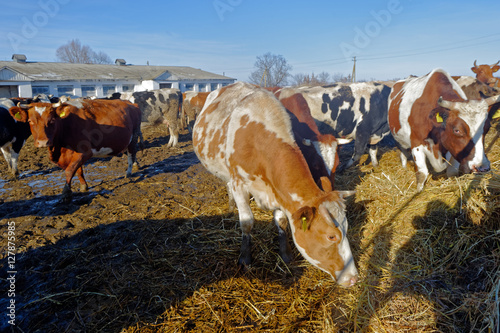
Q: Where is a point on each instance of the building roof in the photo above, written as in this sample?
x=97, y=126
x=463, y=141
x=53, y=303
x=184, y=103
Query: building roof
x=58, y=71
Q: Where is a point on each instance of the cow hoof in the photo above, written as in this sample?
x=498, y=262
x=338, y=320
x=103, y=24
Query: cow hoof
x=245, y=261
x=135, y=167
x=66, y=198
x=84, y=188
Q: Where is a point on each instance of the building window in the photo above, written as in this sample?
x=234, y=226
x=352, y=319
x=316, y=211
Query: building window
x=127, y=87
x=214, y=86
x=65, y=90
x=189, y=86
x=165, y=85
x=40, y=90
x=88, y=91
x=108, y=89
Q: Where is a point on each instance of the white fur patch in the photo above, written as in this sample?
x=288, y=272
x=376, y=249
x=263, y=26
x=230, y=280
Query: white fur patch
x=40, y=109
x=103, y=152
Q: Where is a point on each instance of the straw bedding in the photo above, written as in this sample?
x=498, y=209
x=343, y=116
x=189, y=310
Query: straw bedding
x=429, y=262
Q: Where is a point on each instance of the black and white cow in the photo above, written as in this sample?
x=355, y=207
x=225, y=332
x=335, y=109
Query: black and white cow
x=13, y=135
x=158, y=106
x=351, y=111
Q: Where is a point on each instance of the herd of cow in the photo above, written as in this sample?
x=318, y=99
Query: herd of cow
x=278, y=145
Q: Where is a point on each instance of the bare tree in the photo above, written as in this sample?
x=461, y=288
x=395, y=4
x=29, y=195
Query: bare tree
x=301, y=79
x=271, y=71
x=75, y=52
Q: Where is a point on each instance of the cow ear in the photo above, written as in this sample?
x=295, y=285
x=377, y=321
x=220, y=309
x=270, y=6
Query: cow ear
x=302, y=218
x=19, y=114
x=495, y=69
x=474, y=69
x=64, y=111
x=438, y=117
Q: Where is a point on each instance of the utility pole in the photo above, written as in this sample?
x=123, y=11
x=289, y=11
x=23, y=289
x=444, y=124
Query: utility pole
x=353, y=78
x=264, y=77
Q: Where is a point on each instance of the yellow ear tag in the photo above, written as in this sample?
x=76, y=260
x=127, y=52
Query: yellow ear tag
x=17, y=116
x=304, y=223
x=439, y=119
x=496, y=115
x=63, y=114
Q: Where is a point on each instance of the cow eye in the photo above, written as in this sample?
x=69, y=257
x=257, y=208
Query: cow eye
x=332, y=238
x=457, y=132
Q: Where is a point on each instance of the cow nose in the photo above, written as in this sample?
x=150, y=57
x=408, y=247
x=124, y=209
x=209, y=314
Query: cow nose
x=41, y=143
x=349, y=282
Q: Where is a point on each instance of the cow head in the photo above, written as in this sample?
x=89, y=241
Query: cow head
x=320, y=234
x=484, y=73
x=461, y=126
x=44, y=120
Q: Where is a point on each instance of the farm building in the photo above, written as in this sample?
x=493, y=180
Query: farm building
x=22, y=78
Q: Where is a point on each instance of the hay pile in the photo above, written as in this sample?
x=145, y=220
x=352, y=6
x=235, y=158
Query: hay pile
x=429, y=262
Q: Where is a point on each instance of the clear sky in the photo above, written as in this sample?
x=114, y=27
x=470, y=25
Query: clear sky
x=390, y=38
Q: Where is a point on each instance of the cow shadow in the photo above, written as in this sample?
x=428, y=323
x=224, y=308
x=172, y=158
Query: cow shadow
x=432, y=265
x=112, y=276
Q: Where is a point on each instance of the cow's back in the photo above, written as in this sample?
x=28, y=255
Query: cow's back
x=225, y=123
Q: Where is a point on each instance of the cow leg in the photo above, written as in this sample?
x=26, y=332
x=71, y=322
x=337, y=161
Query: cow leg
x=282, y=224
x=76, y=161
x=174, y=136
x=404, y=154
x=372, y=152
x=246, y=223
x=231, y=202
x=132, y=154
x=83, y=183
x=11, y=159
x=420, y=166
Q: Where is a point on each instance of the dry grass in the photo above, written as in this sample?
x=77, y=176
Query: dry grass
x=429, y=262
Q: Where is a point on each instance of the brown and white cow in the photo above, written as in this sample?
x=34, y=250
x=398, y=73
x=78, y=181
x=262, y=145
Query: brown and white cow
x=431, y=117
x=484, y=73
x=192, y=105
x=244, y=136
x=319, y=150
x=76, y=132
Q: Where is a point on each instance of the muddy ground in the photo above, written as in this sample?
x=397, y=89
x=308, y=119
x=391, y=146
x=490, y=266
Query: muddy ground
x=171, y=185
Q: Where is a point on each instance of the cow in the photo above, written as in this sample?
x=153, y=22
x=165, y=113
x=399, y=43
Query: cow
x=431, y=118
x=319, y=150
x=351, y=111
x=158, y=106
x=484, y=73
x=244, y=136
x=76, y=132
x=13, y=135
x=192, y=104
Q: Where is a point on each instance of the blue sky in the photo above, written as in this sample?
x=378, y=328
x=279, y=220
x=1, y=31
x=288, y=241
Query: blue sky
x=390, y=38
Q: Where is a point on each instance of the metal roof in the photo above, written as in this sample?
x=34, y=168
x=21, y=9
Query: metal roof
x=58, y=71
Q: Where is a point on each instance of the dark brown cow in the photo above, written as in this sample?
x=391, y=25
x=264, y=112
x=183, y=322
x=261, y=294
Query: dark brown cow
x=319, y=150
x=75, y=133
x=431, y=117
x=244, y=136
x=484, y=73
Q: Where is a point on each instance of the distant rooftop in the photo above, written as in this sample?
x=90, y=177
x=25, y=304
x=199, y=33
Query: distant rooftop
x=50, y=71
